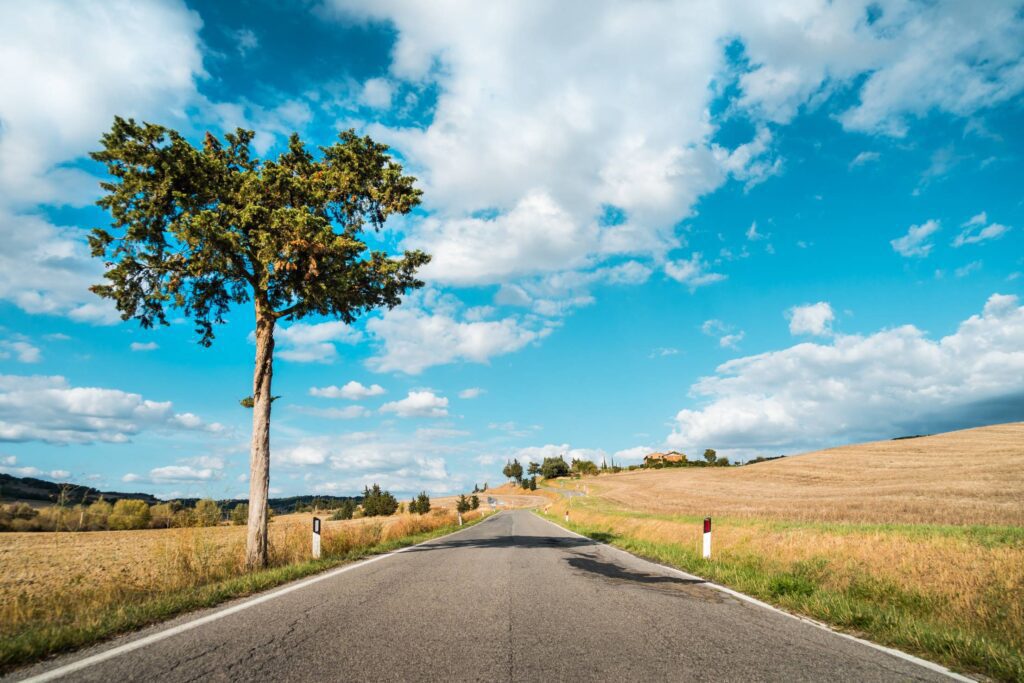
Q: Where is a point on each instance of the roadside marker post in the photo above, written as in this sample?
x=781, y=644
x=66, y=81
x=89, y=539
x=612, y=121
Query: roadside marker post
x=566, y=516
x=460, y=518
x=316, y=538
x=707, y=538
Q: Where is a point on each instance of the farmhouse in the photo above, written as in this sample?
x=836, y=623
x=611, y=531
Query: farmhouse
x=664, y=458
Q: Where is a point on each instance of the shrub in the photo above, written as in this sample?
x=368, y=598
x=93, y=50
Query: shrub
x=206, y=513
x=345, y=511
x=462, y=504
x=420, y=504
x=474, y=501
x=161, y=515
x=240, y=515
x=554, y=467
x=98, y=514
x=129, y=514
x=378, y=503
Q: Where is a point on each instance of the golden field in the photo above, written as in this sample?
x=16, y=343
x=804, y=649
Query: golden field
x=974, y=476
x=66, y=589
x=916, y=543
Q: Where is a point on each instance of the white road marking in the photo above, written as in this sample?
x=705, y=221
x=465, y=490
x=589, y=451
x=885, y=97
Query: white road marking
x=938, y=668
x=196, y=623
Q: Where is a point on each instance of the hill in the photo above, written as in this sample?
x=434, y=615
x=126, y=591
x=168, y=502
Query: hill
x=973, y=476
x=28, y=489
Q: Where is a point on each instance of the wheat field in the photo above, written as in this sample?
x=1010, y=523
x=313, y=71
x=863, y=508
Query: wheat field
x=974, y=476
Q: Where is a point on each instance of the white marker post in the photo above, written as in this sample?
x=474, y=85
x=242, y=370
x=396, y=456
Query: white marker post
x=316, y=538
x=460, y=519
x=567, y=516
x=707, y=538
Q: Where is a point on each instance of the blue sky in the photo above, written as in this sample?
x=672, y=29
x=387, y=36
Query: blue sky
x=654, y=225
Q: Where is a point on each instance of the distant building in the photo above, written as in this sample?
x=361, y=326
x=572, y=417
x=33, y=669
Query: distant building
x=672, y=457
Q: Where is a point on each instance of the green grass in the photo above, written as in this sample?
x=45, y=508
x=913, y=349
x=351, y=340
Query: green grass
x=866, y=606
x=138, y=608
x=982, y=535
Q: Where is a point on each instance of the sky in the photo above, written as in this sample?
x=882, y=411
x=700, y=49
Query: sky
x=763, y=228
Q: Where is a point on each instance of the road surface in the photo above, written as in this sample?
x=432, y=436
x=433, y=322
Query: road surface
x=514, y=598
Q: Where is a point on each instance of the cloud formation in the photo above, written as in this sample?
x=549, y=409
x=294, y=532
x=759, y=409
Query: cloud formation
x=418, y=404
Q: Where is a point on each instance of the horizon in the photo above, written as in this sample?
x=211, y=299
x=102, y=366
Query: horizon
x=651, y=231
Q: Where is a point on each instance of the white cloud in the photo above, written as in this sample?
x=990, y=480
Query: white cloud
x=346, y=413
x=144, y=346
x=377, y=93
x=915, y=242
x=413, y=339
x=68, y=71
x=813, y=319
x=663, y=351
x=976, y=231
x=418, y=404
x=628, y=456
x=538, y=453
x=7, y=466
x=886, y=384
x=21, y=349
x=472, y=392
x=727, y=337
x=47, y=408
x=865, y=158
x=181, y=474
x=753, y=235
x=314, y=343
x=353, y=390
x=693, y=272
x=967, y=269
x=245, y=40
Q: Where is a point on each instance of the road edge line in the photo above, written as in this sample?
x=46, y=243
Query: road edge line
x=899, y=654
x=246, y=603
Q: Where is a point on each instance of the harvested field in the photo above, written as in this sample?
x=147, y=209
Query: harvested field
x=974, y=476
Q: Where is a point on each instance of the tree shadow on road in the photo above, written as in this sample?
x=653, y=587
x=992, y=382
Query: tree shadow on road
x=589, y=563
x=510, y=541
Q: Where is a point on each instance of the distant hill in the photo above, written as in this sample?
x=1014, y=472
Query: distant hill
x=973, y=476
x=29, y=489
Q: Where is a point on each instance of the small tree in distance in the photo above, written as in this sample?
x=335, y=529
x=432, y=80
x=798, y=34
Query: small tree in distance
x=463, y=504
x=710, y=455
x=201, y=229
x=474, y=502
x=378, y=503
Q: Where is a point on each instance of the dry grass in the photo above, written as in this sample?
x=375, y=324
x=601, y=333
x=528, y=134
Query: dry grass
x=975, y=476
x=59, y=590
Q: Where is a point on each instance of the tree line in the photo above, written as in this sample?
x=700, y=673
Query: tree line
x=123, y=514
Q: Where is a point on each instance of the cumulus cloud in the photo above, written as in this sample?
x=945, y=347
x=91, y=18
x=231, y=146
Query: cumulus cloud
x=21, y=349
x=413, y=338
x=9, y=465
x=693, y=273
x=418, y=404
x=353, y=390
x=813, y=319
x=890, y=383
x=314, y=342
x=728, y=337
x=144, y=346
x=978, y=230
x=915, y=242
x=538, y=453
x=472, y=392
x=99, y=60
x=346, y=413
x=49, y=409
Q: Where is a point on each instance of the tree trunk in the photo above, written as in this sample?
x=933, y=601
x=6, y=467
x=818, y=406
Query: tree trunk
x=259, y=458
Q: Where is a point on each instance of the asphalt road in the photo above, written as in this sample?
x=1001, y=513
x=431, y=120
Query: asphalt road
x=514, y=598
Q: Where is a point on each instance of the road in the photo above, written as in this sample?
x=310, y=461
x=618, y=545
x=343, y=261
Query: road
x=514, y=598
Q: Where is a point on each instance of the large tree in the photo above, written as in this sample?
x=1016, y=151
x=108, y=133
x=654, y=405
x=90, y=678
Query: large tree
x=202, y=229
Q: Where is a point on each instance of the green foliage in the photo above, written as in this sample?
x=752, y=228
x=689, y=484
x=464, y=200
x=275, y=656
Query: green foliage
x=98, y=514
x=200, y=229
x=206, y=513
x=420, y=504
x=710, y=456
x=513, y=470
x=240, y=514
x=161, y=515
x=378, y=503
x=129, y=514
x=554, y=467
x=583, y=467
x=463, y=504
x=533, y=483
x=533, y=469
x=345, y=511
x=474, y=502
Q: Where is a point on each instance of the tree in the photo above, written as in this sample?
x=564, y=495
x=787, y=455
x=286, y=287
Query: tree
x=240, y=514
x=533, y=483
x=161, y=515
x=201, y=229
x=378, y=503
x=710, y=456
x=346, y=510
x=583, y=467
x=533, y=469
x=129, y=514
x=474, y=502
x=554, y=467
x=98, y=514
x=513, y=470
x=420, y=504
x=463, y=504
x=206, y=513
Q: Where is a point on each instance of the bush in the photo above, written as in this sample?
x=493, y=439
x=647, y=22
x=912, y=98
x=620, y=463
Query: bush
x=420, y=504
x=240, y=515
x=463, y=504
x=378, y=503
x=98, y=514
x=554, y=467
x=161, y=515
x=345, y=511
x=206, y=513
x=474, y=501
x=129, y=514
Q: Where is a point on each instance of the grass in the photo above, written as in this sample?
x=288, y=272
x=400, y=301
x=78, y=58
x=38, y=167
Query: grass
x=951, y=595
x=160, y=577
